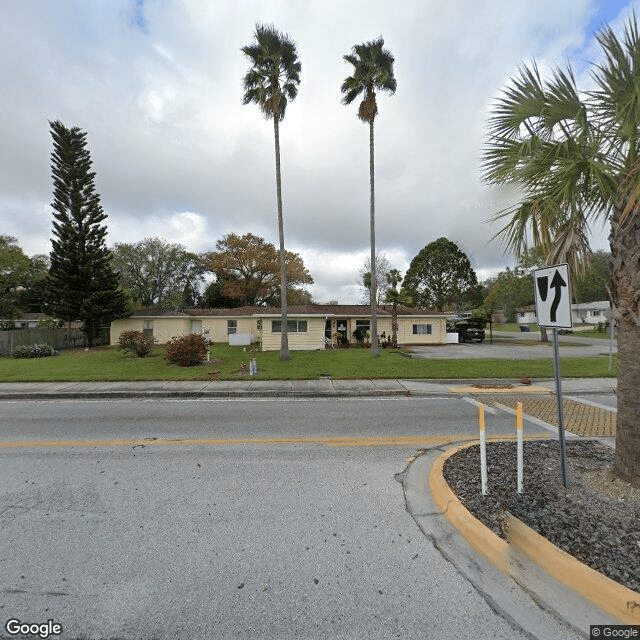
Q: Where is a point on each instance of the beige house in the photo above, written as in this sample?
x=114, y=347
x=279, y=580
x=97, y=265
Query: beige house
x=310, y=327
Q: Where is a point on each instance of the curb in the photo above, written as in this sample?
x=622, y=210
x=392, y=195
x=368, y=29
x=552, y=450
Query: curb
x=204, y=395
x=576, y=593
x=405, y=388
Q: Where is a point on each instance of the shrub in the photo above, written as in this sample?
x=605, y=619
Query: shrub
x=34, y=351
x=137, y=341
x=187, y=350
x=50, y=323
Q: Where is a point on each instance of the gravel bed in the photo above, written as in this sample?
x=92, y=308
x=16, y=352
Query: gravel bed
x=596, y=520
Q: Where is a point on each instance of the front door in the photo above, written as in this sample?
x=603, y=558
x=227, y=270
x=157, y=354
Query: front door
x=342, y=327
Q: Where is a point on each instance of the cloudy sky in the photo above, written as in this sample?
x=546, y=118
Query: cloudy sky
x=157, y=85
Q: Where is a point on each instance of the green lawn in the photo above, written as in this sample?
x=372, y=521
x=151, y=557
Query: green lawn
x=512, y=326
x=108, y=363
x=509, y=326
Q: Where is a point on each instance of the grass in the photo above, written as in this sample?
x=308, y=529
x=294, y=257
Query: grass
x=509, y=326
x=513, y=326
x=110, y=364
x=593, y=333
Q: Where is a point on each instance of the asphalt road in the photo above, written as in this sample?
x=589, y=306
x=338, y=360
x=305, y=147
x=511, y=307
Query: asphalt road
x=229, y=519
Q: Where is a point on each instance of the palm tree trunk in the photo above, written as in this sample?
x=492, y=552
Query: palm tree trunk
x=284, y=335
x=375, y=348
x=625, y=261
x=394, y=325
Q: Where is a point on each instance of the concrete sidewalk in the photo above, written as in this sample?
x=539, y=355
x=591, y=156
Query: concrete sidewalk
x=248, y=388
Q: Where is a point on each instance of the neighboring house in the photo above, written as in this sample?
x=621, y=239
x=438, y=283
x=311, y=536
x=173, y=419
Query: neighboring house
x=32, y=321
x=310, y=326
x=591, y=313
x=584, y=313
x=24, y=321
x=526, y=315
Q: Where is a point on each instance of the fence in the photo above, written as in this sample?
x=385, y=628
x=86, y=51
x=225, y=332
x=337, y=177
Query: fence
x=57, y=338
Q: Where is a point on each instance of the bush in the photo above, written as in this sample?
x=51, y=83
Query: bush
x=34, y=351
x=137, y=341
x=187, y=351
x=50, y=323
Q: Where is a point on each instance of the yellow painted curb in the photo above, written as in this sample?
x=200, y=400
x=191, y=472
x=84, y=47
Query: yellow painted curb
x=606, y=594
x=518, y=390
x=479, y=536
x=616, y=600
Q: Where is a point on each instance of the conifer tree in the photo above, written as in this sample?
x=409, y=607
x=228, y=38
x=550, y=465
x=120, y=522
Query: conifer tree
x=82, y=284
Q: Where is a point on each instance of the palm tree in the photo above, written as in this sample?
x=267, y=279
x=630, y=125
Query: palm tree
x=394, y=297
x=372, y=71
x=576, y=157
x=272, y=80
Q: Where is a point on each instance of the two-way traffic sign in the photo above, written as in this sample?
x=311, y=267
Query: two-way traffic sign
x=553, y=297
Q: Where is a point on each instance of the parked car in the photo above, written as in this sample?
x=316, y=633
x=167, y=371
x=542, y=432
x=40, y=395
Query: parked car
x=469, y=331
x=473, y=334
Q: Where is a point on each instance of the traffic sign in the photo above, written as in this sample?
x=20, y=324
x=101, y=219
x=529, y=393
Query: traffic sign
x=553, y=297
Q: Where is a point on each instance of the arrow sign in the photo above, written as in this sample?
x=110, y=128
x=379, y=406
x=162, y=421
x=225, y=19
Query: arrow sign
x=553, y=310
x=557, y=283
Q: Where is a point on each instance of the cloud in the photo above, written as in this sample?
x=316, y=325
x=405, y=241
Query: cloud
x=157, y=86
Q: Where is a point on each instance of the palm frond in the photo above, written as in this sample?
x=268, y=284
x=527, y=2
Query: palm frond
x=274, y=75
x=372, y=71
x=616, y=102
x=520, y=107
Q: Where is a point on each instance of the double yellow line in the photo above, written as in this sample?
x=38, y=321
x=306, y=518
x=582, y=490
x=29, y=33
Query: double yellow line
x=367, y=441
x=165, y=442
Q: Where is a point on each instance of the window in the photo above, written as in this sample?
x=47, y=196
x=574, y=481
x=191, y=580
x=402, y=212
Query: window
x=363, y=324
x=293, y=326
x=520, y=314
x=596, y=312
x=421, y=329
x=147, y=327
x=232, y=327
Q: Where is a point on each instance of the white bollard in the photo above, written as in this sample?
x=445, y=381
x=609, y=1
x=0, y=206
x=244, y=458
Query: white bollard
x=520, y=446
x=483, y=450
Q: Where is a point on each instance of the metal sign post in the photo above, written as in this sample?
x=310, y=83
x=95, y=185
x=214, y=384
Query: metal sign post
x=553, y=310
x=563, y=449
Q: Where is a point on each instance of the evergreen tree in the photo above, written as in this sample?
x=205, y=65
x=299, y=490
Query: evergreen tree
x=82, y=284
x=441, y=276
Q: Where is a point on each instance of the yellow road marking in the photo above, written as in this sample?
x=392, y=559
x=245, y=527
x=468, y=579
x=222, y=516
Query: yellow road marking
x=329, y=442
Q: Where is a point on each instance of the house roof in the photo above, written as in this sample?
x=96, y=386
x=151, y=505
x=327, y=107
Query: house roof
x=599, y=304
x=158, y=313
x=345, y=310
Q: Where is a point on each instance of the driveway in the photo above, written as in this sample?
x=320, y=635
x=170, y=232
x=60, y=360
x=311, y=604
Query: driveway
x=570, y=346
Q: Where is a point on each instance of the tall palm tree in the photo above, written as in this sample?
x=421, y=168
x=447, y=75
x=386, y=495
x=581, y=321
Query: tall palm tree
x=394, y=297
x=271, y=81
x=372, y=71
x=576, y=157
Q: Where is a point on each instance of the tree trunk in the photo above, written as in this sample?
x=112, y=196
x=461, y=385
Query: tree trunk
x=375, y=348
x=394, y=325
x=284, y=335
x=624, y=240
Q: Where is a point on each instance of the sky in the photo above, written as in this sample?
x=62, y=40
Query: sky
x=157, y=86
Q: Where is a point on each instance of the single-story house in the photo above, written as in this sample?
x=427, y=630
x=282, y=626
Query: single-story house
x=584, y=313
x=311, y=326
x=24, y=321
x=526, y=315
x=591, y=313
